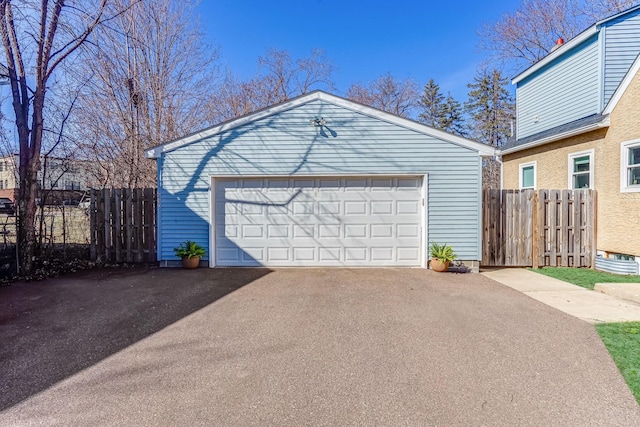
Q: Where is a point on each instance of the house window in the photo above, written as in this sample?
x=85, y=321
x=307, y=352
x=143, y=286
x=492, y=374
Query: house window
x=581, y=170
x=527, y=175
x=630, y=166
x=71, y=185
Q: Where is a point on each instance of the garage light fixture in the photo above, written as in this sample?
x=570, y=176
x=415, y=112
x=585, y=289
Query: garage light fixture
x=318, y=122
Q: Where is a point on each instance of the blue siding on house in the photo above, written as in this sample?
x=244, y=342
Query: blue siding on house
x=565, y=90
x=621, y=47
x=350, y=143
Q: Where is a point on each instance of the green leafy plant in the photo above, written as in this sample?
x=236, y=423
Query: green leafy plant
x=189, y=249
x=442, y=252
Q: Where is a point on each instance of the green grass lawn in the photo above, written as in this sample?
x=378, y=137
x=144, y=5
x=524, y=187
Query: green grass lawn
x=623, y=342
x=585, y=277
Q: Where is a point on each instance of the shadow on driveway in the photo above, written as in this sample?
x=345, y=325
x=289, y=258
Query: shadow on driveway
x=52, y=329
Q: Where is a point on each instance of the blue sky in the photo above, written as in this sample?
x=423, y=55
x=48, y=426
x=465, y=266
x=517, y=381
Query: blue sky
x=364, y=39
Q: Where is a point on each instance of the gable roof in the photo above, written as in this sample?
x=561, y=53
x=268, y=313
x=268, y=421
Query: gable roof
x=482, y=149
x=577, y=40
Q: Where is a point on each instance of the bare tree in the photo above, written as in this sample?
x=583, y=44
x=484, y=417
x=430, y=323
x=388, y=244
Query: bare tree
x=279, y=78
x=147, y=80
x=36, y=40
x=387, y=93
x=527, y=35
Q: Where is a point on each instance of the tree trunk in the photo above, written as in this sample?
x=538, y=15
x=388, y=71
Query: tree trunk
x=44, y=55
x=29, y=166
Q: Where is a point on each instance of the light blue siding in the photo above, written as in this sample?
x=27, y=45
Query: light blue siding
x=563, y=91
x=286, y=144
x=621, y=46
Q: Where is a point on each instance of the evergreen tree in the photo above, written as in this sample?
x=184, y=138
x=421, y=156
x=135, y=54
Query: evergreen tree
x=431, y=103
x=451, y=117
x=491, y=111
x=490, y=108
x=439, y=112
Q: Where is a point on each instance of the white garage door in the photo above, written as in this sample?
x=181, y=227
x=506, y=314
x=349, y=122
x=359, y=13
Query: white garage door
x=355, y=221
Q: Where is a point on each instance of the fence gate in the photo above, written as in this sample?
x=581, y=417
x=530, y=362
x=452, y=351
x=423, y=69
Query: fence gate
x=123, y=225
x=528, y=228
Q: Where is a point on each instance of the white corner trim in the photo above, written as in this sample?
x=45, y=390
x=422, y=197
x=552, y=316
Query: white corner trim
x=624, y=188
x=212, y=223
x=556, y=53
x=622, y=87
x=482, y=149
x=570, y=157
x=584, y=129
x=521, y=166
x=425, y=221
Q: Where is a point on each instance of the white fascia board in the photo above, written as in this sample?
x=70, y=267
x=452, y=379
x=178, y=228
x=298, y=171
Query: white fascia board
x=557, y=137
x=557, y=53
x=622, y=87
x=482, y=149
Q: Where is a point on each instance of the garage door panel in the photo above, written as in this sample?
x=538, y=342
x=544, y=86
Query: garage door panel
x=356, y=254
x=329, y=208
x=304, y=254
x=355, y=208
x=382, y=254
x=329, y=231
x=409, y=184
x=352, y=221
x=330, y=254
x=303, y=231
x=277, y=230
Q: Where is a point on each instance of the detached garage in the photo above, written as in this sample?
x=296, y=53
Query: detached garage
x=320, y=181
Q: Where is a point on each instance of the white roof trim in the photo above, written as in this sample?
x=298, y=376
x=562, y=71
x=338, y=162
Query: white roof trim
x=622, y=87
x=482, y=149
x=556, y=53
x=584, y=129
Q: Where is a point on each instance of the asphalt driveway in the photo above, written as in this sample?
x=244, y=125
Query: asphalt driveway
x=298, y=347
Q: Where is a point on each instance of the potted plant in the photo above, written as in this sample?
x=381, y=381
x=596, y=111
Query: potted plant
x=190, y=252
x=441, y=256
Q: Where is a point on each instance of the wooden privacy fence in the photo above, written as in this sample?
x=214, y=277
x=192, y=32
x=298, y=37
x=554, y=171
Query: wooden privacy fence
x=123, y=225
x=528, y=228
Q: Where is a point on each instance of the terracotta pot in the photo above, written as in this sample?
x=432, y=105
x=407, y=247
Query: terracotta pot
x=190, y=263
x=439, y=266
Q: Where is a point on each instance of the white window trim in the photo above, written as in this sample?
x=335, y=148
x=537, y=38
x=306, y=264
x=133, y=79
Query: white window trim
x=624, y=163
x=572, y=156
x=535, y=174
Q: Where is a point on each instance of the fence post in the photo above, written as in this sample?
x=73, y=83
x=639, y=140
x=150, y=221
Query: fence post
x=92, y=225
x=591, y=228
x=139, y=230
x=534, y=232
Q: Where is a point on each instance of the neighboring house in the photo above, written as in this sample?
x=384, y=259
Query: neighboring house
x=578, y=126
x=55, y=174
x=320, y=181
